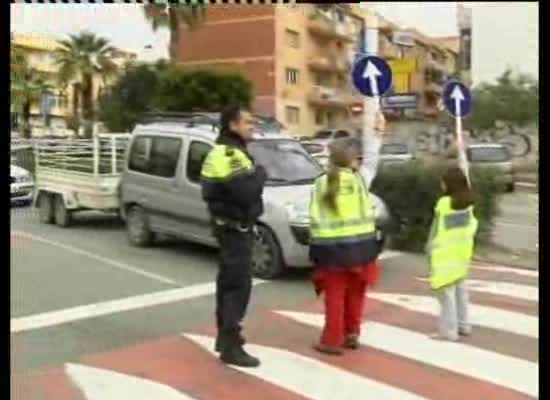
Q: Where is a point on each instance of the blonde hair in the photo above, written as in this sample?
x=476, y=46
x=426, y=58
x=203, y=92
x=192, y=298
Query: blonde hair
x=341, y=155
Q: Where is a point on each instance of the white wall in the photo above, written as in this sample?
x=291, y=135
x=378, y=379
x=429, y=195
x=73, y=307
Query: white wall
x=504, y=34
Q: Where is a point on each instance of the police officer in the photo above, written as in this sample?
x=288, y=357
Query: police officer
x=232, y=186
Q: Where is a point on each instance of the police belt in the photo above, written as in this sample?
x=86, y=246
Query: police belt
x=232, y=224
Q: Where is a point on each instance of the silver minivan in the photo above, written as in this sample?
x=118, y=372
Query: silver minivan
x=160, y=192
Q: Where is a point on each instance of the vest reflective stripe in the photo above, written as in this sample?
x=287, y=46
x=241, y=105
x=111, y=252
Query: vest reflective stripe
x=349, y=240
x=451, y=249
x=355, y=218
x=224, y=163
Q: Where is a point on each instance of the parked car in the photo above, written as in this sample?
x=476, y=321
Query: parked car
x=391, y=153
x=161, y=194
x=493, y=155
x=331, y=134
x=21, y=185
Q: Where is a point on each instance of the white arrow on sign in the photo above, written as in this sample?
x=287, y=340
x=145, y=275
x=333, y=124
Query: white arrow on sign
x=372, y=73
x=458, y=96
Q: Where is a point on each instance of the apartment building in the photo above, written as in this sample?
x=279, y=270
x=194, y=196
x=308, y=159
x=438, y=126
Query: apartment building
x=297, y=56
x=420, y=66
x=39, y=51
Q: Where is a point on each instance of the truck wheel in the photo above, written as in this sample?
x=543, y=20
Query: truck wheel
x=267, y=260
x=63, y=217
x=137, y=227
x=45, y=208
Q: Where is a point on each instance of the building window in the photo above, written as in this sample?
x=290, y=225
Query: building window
x=292, y=76
x=292, y=39
x=292, y=115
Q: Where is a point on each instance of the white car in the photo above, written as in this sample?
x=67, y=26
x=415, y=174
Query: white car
x=21, y=185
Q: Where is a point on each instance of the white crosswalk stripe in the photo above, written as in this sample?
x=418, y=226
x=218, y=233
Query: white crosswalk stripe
x=311, y=378
x=489, y=317
x=516, y=271
x=523, y=292
x=506, y=371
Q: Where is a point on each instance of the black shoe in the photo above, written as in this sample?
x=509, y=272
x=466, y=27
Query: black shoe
x=220, y=342
x=235, y=355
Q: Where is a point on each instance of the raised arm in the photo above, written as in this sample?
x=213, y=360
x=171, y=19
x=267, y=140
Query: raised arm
x=372, y=141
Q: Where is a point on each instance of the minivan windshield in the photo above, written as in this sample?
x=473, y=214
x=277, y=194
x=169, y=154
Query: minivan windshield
x=285, y=161
x=488, y=154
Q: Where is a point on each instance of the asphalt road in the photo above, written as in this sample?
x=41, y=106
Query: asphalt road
x=517, y=226
x=79, y=296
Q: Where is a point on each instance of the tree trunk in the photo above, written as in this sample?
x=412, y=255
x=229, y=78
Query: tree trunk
x=88, y=105
x=174, y=33
x=76, y=95
x=27, y=130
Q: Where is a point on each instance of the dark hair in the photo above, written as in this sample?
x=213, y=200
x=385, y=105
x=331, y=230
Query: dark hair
x=231, y=113
x=456, y=186
x=342, y=155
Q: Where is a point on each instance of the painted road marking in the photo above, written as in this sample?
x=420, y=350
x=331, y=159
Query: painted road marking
x=103, y=384
x=523, y=292
x=309, y=377
x=105, y=260
x=518, y=271
x=489, y=317
x=53, y=318
x=493, y=367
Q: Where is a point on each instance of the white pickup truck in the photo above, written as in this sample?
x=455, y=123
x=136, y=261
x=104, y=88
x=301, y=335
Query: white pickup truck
x=76, y=175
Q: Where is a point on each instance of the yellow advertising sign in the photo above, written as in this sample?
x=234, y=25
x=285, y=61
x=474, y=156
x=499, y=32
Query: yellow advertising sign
x=405, y=65
x=400, y=83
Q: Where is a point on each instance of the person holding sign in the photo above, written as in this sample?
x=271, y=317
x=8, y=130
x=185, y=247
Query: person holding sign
x=450, y=249
x=344, y=247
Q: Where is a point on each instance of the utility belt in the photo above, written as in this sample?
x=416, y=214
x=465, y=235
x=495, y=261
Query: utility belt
x=234, y=225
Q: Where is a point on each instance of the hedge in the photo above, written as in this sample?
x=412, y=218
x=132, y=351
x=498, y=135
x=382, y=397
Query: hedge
x=411, y=190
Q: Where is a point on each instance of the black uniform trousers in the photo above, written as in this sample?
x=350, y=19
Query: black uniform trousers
x=234, y=281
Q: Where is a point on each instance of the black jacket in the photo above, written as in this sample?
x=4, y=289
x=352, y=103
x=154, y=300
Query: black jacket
x=239, y=198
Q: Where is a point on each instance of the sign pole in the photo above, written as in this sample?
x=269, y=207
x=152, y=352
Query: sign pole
x=371, y=105
x=457, y=100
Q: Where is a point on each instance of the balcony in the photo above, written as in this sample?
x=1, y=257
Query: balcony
x=387, y=50
x=325, y=26
x=328, y=64
x=323, y=96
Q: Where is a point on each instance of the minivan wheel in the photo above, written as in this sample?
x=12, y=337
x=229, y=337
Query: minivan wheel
x=137, y=227
x=267, y=261
x=63, y=217
x=45, y=208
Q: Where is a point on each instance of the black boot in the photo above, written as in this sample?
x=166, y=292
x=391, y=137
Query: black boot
x=221, y=341
x=235, y=355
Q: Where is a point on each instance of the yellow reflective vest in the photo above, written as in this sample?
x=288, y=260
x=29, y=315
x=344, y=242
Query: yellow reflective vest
x=224, y=162
x=452, y=244
x=354, y=218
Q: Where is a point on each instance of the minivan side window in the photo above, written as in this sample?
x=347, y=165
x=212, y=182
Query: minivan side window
x=197, y=153
x=157, y=156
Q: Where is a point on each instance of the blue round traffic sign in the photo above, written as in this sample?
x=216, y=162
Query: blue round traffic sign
x=372, y=76
x=457, y=98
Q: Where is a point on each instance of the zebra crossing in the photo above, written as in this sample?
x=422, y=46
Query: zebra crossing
x=397, y=359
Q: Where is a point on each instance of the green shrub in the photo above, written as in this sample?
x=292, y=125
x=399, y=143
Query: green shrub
x=411, y=191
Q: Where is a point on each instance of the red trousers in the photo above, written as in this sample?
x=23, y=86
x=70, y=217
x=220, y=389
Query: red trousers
x=344, y=296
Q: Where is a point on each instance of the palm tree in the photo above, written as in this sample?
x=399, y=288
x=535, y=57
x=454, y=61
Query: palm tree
x=27, y=87
x=81, y=58
x=173, y=17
